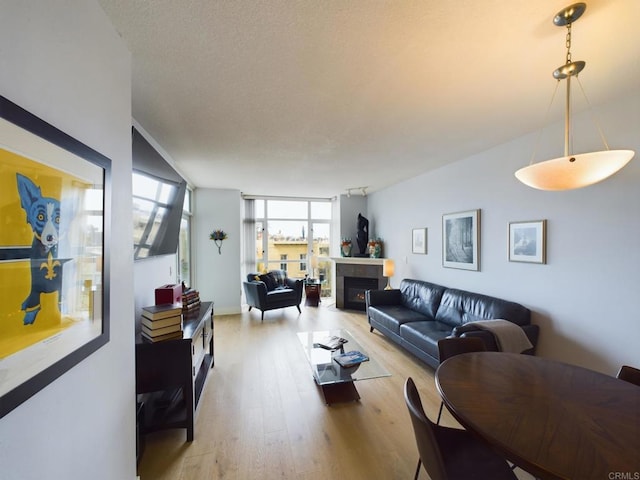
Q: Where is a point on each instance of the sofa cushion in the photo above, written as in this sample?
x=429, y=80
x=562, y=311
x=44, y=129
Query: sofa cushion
x=425, y=335
x=458, y=307
x=420, y=296
x=393, y=316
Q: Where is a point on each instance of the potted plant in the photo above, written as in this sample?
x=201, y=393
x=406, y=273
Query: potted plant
x=345, y=247
x=375, y=247
x=218, y=236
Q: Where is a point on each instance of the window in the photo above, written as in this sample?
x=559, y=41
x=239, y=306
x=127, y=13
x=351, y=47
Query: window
x=286, y=234
x=184, y=242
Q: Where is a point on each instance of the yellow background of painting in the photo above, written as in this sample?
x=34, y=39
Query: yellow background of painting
x=15, y=276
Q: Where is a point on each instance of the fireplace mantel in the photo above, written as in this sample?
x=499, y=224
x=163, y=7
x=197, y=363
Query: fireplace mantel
x=358, y=260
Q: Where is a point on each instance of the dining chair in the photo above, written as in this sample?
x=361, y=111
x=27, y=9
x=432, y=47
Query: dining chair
x=629, y=374
x=451, y=346
x=451, y=453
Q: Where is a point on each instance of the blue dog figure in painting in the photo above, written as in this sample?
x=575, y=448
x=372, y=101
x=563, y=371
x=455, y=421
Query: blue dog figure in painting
x=43, y=214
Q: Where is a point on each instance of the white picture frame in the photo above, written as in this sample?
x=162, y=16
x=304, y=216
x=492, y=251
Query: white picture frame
x=528, y=242
x=419, y=241
x=461, y=240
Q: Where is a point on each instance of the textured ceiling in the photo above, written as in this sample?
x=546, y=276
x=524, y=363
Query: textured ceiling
x=312, y=97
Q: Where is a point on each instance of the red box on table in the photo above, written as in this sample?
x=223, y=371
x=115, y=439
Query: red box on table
x=169, y=293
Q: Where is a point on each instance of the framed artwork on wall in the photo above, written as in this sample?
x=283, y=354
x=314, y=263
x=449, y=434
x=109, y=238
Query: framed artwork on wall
x=419, y=241
x=461, y=240
x=528, y=242
x=55, y=201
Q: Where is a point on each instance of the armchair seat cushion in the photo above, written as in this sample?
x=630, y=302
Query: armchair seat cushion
x=281, y=294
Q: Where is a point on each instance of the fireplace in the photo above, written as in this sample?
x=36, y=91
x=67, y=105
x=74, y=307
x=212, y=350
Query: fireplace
x=354, y=276
x=354, y=288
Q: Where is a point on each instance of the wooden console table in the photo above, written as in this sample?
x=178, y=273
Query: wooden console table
x=170, y=375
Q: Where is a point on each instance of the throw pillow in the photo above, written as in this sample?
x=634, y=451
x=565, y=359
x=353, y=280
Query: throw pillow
x=268, y=281
x=279, y=277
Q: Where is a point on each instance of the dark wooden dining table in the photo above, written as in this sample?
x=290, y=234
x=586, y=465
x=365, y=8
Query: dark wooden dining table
x=552, y=419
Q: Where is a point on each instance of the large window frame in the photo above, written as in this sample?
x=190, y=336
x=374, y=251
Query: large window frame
x=316, y=223
x=183, y=257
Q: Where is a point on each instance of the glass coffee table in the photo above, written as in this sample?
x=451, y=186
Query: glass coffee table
x=337, y=382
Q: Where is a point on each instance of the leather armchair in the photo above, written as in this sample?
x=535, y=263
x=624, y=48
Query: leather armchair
x=265, y=295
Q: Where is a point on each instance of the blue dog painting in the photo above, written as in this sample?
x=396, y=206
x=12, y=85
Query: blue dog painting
x=43, y=215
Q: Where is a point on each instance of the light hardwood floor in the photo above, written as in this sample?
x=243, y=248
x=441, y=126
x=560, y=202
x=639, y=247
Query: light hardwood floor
x=262, y=417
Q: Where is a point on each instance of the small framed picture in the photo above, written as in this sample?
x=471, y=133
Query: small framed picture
x=461, y=240
x=527, y=241
x=419, y=241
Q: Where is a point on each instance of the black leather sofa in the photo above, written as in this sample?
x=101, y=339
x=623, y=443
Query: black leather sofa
x=272, y=290
x=419, y=313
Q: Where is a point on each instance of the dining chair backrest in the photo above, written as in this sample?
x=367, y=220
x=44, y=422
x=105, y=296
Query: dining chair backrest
x=424, y=431
x=629, y=374
x=451, y=346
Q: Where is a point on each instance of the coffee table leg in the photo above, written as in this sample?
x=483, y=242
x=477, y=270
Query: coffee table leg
x=339, y=392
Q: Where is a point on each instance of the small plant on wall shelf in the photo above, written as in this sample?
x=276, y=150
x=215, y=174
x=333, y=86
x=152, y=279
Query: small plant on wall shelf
x=218, y=236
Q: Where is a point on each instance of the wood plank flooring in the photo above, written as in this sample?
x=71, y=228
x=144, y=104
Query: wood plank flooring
x=262, y=417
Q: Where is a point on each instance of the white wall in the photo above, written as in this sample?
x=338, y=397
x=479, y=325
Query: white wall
x=218, y=274
x=63, y=61
x=350, y=207
x=149, y=274
x=585, y=297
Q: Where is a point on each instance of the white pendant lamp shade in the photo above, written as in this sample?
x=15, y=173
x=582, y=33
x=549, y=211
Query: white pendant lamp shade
x=574, y=171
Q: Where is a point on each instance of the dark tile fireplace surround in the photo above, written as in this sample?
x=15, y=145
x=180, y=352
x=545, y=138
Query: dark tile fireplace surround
x=355, y=275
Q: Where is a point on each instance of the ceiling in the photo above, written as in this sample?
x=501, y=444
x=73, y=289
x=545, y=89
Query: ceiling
x=313, y=97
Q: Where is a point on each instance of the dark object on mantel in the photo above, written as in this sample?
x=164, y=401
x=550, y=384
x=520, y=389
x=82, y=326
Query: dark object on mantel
x=362, y=236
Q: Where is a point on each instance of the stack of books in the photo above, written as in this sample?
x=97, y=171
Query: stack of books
x=161, y=322
x=190, y=300
x=332, y=342
x=351, y=359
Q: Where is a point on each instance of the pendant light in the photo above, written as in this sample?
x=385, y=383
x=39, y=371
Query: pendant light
x=572, y=171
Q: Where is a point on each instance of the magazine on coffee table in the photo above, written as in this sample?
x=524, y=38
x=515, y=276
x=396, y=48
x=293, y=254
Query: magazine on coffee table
x=332, y=342
x=350, y=359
